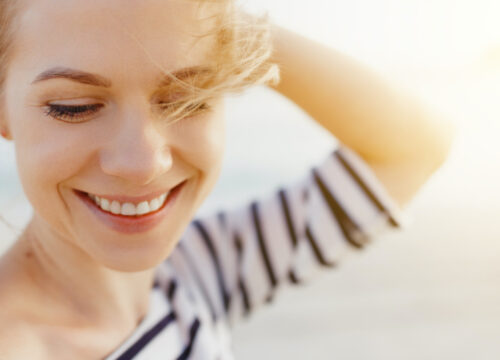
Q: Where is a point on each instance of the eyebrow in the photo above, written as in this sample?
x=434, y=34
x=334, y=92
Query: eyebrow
x=88, y=78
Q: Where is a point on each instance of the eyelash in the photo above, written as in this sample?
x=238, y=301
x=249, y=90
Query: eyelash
x=71, y=113
x=76, y=113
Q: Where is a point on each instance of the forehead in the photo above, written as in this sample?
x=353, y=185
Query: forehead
x=112, y=35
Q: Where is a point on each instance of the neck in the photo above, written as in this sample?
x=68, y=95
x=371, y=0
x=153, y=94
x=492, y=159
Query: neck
x=86, y=291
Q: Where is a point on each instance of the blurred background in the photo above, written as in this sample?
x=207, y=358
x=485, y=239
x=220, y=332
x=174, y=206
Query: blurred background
x=428, y=292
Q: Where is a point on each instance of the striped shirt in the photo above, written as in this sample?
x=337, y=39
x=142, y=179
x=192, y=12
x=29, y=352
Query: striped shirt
x=229, y=264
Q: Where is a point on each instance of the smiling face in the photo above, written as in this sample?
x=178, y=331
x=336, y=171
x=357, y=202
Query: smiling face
x=88, y=105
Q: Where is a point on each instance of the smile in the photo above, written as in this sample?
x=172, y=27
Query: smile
x=128, y=216
x=128, y=208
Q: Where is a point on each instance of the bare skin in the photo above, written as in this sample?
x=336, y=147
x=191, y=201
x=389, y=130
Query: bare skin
x=50, y=314
x=403, y=141
x=71, y=278
x=42, y=323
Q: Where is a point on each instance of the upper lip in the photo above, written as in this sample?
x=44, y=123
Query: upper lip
x=136, y=199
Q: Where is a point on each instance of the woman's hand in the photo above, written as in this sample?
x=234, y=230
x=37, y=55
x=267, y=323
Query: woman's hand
x=400, y=139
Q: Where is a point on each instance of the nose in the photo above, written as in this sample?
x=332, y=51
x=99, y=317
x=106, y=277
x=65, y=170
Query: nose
x=136, y=152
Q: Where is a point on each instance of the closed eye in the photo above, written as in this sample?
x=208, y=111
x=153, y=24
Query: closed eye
x=178, y=110
x=72, y=113
x=191, y=107
x=80, y=113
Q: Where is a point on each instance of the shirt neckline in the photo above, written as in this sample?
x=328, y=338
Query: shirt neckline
x=157, y=308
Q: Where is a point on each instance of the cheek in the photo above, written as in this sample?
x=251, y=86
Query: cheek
x=48, y=151
x=201, y=142
x=51, y=151
x=47, y=155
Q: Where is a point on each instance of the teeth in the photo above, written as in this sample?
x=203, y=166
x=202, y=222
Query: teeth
x=115, y=207
x=154, y=204
x=104, y=204
x=143, y=208
x=129, y=209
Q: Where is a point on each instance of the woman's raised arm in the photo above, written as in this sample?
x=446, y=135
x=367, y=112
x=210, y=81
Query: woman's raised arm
x=239, y=259
x=403, y=141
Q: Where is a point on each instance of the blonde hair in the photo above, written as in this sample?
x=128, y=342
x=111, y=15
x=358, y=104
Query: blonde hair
x=7, y=20
x=241, y=53
x=240, y=56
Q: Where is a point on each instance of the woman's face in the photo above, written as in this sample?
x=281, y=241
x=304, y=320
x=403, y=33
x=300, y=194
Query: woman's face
x=101, y=62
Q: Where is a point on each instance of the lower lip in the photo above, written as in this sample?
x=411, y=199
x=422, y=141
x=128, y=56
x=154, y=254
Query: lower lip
x=132, y=224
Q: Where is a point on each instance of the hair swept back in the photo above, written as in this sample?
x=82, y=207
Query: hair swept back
x=241, y=53
x=240, y=57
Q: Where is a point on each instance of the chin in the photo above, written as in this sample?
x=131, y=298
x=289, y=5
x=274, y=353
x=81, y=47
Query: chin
x=134, y=261
x=122, y=245
x=130, y=253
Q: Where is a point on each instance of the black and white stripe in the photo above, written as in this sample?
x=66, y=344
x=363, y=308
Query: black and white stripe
x=229, y=264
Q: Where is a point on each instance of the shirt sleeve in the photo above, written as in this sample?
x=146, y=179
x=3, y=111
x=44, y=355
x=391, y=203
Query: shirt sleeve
x=243, y=256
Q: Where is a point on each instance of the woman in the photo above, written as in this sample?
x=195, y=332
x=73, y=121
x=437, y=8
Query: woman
x=115, y=111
